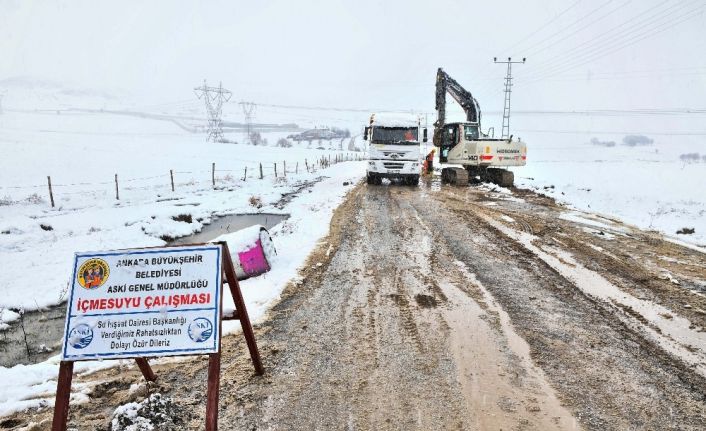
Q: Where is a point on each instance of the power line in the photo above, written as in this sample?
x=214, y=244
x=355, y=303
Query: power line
x=214, y=97
x=614, y=132
x=542, y=27
x=616, y=112
x=590, y=42
x=599, y=51
x=578, y=21
x=585, y=77
x=613, y=36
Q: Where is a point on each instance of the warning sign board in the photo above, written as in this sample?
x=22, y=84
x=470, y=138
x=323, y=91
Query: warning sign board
x=144, y=302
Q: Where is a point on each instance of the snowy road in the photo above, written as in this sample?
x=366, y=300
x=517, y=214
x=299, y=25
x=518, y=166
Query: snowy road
x=462, y=308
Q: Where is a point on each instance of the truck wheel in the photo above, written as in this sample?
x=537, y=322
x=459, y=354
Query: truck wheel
x=369, y=179
x=377, y=180
x=414, y=181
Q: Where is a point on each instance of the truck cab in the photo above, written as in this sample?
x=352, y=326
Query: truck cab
x=394, y=149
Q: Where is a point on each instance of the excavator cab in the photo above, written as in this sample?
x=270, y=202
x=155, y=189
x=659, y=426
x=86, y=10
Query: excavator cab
x=449, y=139
x=471, y=132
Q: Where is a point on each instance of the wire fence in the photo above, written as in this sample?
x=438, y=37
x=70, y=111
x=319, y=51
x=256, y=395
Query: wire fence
x=121, y=188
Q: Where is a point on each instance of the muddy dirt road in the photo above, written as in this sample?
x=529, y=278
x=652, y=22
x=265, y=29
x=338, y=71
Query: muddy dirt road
x=459, y=308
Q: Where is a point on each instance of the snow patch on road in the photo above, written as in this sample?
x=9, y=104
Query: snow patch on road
x=586, y=219
x=507, y=218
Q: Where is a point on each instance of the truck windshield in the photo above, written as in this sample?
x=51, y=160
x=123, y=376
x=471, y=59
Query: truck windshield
x=396, y=135
x=470, y=132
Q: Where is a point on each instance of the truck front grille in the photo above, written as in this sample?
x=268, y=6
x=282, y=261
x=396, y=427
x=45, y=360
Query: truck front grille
x=393, y=165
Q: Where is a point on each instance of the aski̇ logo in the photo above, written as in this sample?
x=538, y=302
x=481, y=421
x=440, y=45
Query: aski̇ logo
x=80, y=336
x=200, y=329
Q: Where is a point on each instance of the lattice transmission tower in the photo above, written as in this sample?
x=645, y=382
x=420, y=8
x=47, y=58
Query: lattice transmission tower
x=508, y=91
x=249, y=111
x=214, y=97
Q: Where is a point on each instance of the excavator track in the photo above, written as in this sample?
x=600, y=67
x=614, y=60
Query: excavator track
x=455, y=176
x=501, y=177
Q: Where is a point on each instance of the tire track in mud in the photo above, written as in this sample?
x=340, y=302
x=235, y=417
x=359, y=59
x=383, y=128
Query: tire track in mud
x=595, y=361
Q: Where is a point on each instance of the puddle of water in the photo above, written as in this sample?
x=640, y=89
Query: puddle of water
x=46, y=328
x=488, y=375
x=228, y=224
x=43, y=330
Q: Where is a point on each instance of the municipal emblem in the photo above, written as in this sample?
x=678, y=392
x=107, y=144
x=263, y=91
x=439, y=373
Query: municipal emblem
x=93, y=273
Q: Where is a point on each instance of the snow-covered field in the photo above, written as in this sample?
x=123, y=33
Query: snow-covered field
x=83, y=152
x=649, y=185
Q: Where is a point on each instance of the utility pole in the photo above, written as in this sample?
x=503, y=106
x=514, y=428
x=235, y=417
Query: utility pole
x=508, y=90
x=214, y=97
x=249, y=111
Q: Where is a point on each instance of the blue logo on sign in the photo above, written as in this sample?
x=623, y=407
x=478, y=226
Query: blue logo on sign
x=200, y=329
x=80, y=336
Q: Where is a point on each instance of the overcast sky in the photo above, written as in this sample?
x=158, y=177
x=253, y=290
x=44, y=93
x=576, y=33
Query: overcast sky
x=367, y=54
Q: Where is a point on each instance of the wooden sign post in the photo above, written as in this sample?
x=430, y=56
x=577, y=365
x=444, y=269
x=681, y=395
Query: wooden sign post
x=152, y=302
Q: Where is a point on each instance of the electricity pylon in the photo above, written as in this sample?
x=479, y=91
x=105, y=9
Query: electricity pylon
x=214, y=97
x=249, y=111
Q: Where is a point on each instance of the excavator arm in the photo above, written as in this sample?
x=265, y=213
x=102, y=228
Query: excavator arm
x=444, y=84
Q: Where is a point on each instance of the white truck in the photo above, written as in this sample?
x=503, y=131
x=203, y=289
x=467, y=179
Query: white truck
x=394, y=148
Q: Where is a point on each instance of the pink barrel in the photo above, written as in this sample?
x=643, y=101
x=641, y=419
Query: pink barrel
x=255, y=251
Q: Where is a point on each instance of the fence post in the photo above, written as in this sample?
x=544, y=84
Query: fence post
x=171, y=176
x=306, y=163
x=296, y=168
x=51, y=194
x=246, y=173
x=260, y=170
x=117, y=196
x=275, y=170
x=213, y=174
x=284, y=169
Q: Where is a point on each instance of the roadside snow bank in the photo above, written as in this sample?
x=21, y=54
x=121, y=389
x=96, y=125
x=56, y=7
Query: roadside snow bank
x=294, y=238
